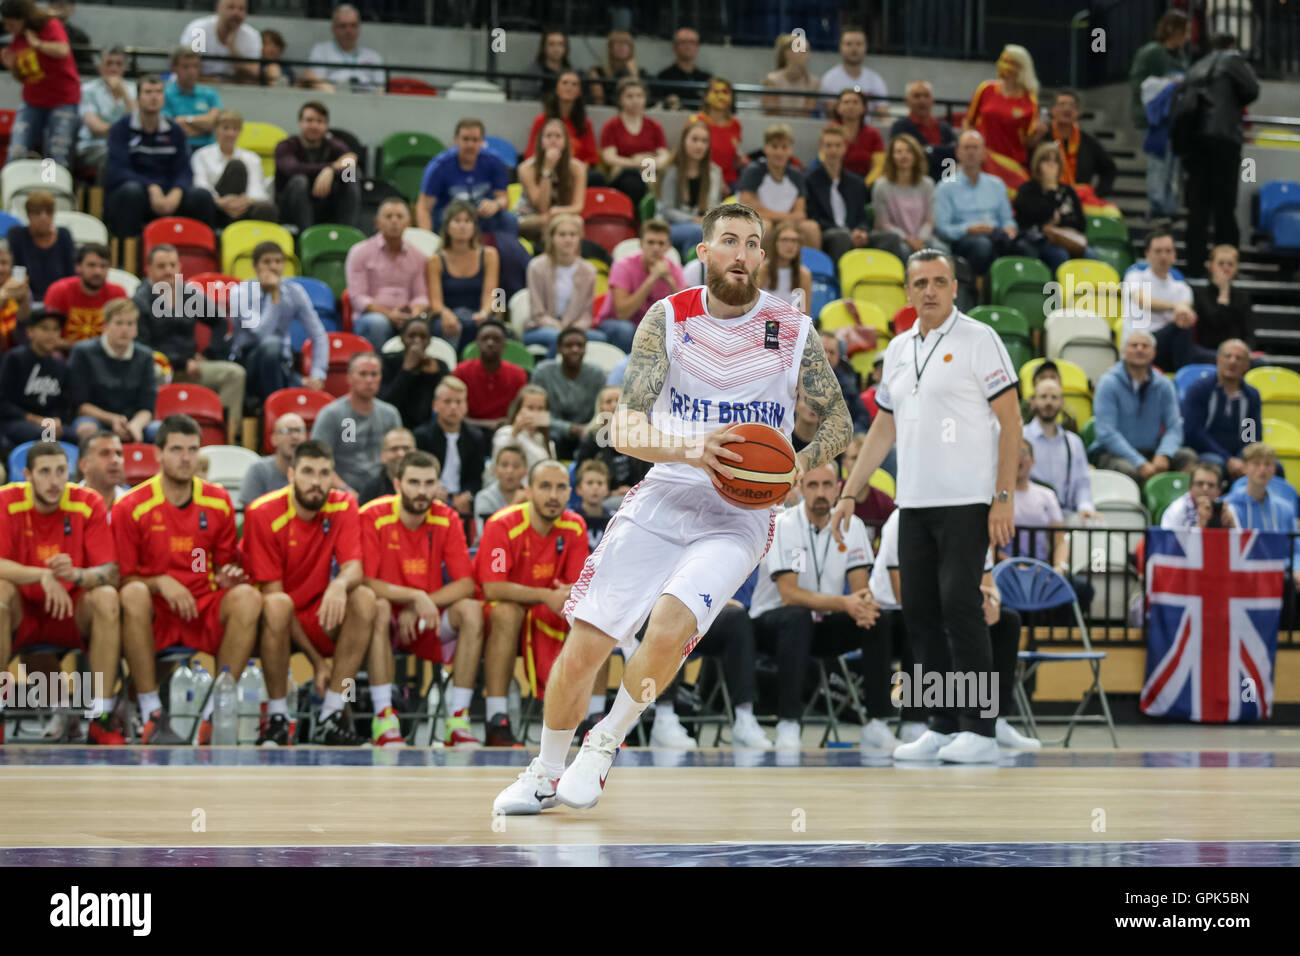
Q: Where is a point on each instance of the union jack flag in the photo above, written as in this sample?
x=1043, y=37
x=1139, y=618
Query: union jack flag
x=1214, y=605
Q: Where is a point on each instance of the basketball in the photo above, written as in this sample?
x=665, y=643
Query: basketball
x=766, y=472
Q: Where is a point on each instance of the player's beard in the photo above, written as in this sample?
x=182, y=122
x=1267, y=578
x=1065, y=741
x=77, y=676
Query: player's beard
x=727, y=291
x=549, y=511
x=48, y=502
x=820, y=507
x=311, y=501
x=416, y=506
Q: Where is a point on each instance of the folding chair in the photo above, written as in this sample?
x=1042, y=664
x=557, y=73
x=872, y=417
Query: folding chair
x=17, y=714
x=834, y=692
x=711, y=668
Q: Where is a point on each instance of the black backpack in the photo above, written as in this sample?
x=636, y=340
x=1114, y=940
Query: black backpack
x=1189, y=102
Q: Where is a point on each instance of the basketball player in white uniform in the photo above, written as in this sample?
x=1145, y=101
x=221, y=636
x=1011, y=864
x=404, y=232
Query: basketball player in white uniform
x=704, y=360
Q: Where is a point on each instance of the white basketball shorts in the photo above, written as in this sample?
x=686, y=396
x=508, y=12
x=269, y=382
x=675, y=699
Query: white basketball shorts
x=669, y=537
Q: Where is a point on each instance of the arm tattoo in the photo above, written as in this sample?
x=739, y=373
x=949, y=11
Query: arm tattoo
x=647, y=367
x=819, y=387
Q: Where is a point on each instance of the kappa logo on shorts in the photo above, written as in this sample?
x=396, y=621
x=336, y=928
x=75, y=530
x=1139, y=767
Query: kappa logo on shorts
x=708, y=601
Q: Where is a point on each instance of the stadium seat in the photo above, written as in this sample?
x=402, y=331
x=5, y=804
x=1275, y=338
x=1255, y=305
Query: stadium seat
x=1189, y=375
x=405, y=155
x=261, y=138
x=520, y=310
x=1110, y=487
x=24, y=176
x=306, y=402
x=598, y=304
x=410, y=86
x=502, y=149
x=515, y=352
x=1082, y=338
x=1161, y=490
x=227, y=465
x=1279, y=391
x=514, y=192
x=476, y=91
x=875, y=276
x=883, y=481
x=128, y=281
x=18, y=459
x=1109, y=239
x=140, y=462
x=1275, y=196
x=1075, y=390
x=1007, y=321
x=195, y=243
x=7, y=222
x=325, y=252
x=423, y=239
x=1284, y=438
x=7, y=118
x=343, y=345
x=819, y=264
x=603, y=355
x=846, y=314
x=628, y=247
x=1021, y=282
x=602, y=278
x=201, y=404
x=904, y=319
x=82, y=226
x=373, y=192
x=322, y=300
x=1088, y=285
x=438, y=348
x=966, y=290
x=239, y=239
x=609, y=217
x=648, y=207
x=1088, y=433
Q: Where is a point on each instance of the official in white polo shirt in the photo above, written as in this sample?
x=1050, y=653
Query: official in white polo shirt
x=946, y=389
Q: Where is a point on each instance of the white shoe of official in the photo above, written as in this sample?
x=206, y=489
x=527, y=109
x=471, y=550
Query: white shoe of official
x=1012, y=739
x=583, y=782
x=876, y=734
x=924, y=747
x=911, y=730
x=968, y=747
x=746, y=732
x=532, y=792
x=789, y=736
x=669, y=732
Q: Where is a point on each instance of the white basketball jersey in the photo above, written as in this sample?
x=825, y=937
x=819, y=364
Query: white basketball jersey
x=724, y=371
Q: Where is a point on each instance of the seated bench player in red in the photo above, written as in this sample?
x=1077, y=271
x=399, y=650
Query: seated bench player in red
x=181, y=579
x=408, y=540
x=528, y=558
x=294, y=539
x=58, y=576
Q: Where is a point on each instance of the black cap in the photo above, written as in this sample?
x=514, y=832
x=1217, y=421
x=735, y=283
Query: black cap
x=40, y=315
x=1047, y=366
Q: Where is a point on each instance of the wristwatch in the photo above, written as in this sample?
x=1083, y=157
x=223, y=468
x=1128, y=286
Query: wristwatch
x=1003, y=497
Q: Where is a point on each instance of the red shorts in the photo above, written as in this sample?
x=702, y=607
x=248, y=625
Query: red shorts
x=203, y=633
x=541, y=639
x=39, y=628
x=307, y=617
x=429, y=644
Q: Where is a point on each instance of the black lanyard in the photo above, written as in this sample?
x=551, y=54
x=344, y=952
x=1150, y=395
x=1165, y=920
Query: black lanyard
x=818, y=568
x=916, y=360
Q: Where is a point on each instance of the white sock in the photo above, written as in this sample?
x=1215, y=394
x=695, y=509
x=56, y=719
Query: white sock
x=461, y=698
x=665, y=708
x=381, y=696
x=99, y=707
x=744, y=712
x=555, y=748
x=280, y=706
x=208, y=707
x=148, y=703
x=622, y=715
x=333, y=704
x=596, y=705
x=495, y=705
x=784, y=724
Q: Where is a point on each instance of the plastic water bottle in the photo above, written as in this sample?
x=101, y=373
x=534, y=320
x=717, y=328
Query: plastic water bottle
x=184, y=706
x=225, y=718
x=252, y=691
x=202, y=684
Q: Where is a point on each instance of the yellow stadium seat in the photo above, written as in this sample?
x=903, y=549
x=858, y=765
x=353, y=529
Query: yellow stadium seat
x=513, y=192
x=1080, y=406
x=839, y=315
x=875, y=276
x=240, y=238
x=884, y=481
x=1088, y=285
x=527, y=244
x=261, y=138
x=602, y=275
x=1275, y=384
x=1284, y=437
x=863, y=361
x=1074, y=381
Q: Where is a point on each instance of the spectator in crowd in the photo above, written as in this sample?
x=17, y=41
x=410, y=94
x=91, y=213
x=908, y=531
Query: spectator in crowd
x=508, y=472
x=864, y=149
x=1201, y=505
x=411, y=374
x=397, y=444
x=624, y=470
x=791, y=73
x=276, y=73
x=903, y=199
x=686, y=47
x=1160, y=302
x=1214, y=166
x=78, y=38
x=637, y=282
x=1223, y=311
x=265, y=310
x=470, y=173
x=462, y=278
x=971, y=211
x=552, y=59
x=82, y=297
x=783, y=272
x=104, y=101
x=315, y=173
x=271, y=472
x=1060, y=459
x=691, y=185
x=1259, y=506
x=591, y=483
x=492, y=382
x=528, y=425
x=871, y=505
x=166, y=326
x=346, y=59
x=386, y=276
x=34, y=387
x=111, y=382
x=1162, y=57
x=565, y=102
x=1217, y=412
x=837, y=197
x=561, y=287
x=554, y=183
x=777, y=190
x=232, y=175
x=46, y=251
x=571, y=387
x=460, y=447
x=15, y=299
x=631, y=143
x=1084, y=161
x=1139, y=428
x=191, y=106
x=938, y=139
x=724, y=130
x=40, y=58
x=102, y=464
x=848, y=380
x=148, y=173
x=1049, y=216
x=1047, y=369
x=1005, y=112
x=354, y=424
x=619, y=63
x=852, y=70
x=225, y=34
x=820, y=603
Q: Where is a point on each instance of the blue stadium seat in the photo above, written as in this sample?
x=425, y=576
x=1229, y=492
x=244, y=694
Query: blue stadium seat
x=1189, y=375
x=1274, y=197
x=322, y=300
x=502, y=150
x=18, y=459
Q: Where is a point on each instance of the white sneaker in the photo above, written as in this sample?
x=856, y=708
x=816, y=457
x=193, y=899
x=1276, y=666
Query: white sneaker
x=1012, y=739
x=582, y=783
x=55, y=726
x=968, y=747
x=669, y=732
x=911, y=730
x=876, y=734
x=925, y=747
x=532, y=792
x=788, y=736
x=746, y=732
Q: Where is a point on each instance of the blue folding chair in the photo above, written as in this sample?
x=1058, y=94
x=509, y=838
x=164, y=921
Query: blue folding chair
x=1027, y=585
x=502, y=150
x=18, y=459
x=1189, y=375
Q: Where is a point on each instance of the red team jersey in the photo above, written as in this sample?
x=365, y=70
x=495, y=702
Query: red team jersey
x=77, y=528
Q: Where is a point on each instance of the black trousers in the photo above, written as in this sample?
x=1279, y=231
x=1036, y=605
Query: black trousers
x=300, y=207
x=941, y=561
x=791, y=634
x=1213, y=171
x=127, y=209
x=233, y=181
x=732, y=638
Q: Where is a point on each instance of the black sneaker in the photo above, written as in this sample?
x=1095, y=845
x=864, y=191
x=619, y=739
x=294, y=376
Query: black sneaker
x=585, y=727
x=158, y=731
x=499, y=733
x=334, y=732
x=275, y=733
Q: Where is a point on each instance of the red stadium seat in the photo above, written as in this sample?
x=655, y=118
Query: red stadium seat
x=345, y=311
x=903, y=319
x=195, y=242
x=343, y=345
x=201, y=404
x=141, y=462
x=609, y=218
x=7, y=118
x=410, y=86
x=306, y=402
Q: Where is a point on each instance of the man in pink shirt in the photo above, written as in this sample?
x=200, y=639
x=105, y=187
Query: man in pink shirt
x=638, y=282
x=385, y=275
